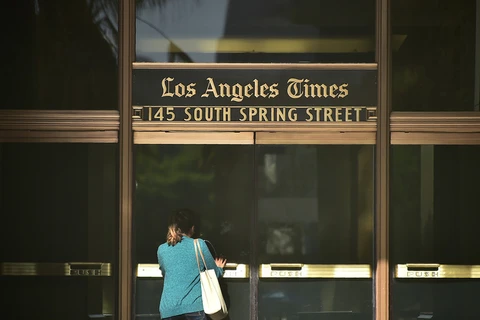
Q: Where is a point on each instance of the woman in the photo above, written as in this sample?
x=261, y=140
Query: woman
x=182, y=294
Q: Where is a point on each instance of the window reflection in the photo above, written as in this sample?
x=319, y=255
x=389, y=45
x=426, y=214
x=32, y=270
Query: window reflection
x=433, y=198
x=256, y=31
x=437, y=66
x=63, y=55
x=213, y=180
x=322, y=195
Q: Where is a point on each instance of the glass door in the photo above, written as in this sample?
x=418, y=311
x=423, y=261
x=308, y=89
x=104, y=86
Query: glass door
x=58, y=203
x=434, y=218
x=212, y=174
x=294, y=218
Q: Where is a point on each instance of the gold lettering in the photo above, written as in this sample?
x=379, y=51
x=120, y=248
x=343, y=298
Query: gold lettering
x=260, y=114
x=237, y=93
x=209, y=115
x=327, y=114
x=191, y=90
x=320, y=90
x=251, y=113
x=348, y=114
x=281, y=114
x=227, y=114
x=166, y=87
x=264, y=88
x=255, y=85
x=338, y=114
x=293, y=89
x=187, y=112
x=343, y=90
x=273, y=91
x=333, y=89
x=357, y=113
x=248, y=88
x=159, y=114
x=292, y=114
x=317, y=113
x=210, y=89
x=197, y=114
x=180, y=90
x=218, y=112
x=170, y=114
x=224, y=90
x=244, y=115
x=305, y=87
x=263, y=115
x=309, y=114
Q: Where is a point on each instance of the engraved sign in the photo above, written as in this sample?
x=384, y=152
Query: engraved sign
x=86, y=270
x=254, y=95
x=286, y=274
x=422, y=274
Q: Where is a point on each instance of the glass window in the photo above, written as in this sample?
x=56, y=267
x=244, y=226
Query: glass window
x=436, y=55
x=255, y=31
x=434, y=236
x=58, y=205
x=63, y=55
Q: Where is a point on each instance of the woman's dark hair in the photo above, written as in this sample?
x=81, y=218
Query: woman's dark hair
x=181, y=222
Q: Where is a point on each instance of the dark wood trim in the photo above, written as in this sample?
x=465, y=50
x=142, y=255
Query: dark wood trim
x=315, y=138
x=125, y=58
x=381, y=280
x=435, y=122
x=361, y=127
x=435, y=138
x=295, y=66
x=59, y=120
x=28, y=136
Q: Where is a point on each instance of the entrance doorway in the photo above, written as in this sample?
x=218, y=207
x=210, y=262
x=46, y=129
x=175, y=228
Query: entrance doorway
x=292, y=215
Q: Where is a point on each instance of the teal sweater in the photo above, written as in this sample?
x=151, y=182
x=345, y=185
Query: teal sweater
x=182, y=292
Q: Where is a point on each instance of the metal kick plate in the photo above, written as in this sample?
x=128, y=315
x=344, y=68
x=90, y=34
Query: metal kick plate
x=79, y=269
x=436, y=271
x=329, y=271
x=231, y=271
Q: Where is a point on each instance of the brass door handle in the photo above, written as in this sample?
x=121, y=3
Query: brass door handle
x=236, y=271
x=231, y=271
x=292, y=266
x=420, y=266
x=436, y=271
x=83, y=269
x=300, y=270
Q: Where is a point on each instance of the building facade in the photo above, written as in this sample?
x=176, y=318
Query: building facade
x=331, y=150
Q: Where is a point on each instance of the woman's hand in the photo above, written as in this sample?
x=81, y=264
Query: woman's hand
x=220, y=262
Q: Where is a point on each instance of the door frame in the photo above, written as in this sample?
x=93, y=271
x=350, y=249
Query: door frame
x=253, y=138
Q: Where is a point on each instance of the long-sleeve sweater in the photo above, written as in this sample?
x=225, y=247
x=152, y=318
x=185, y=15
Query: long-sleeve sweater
x=182, y=292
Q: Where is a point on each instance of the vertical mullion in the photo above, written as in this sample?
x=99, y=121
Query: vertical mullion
x=125, y=58
x=383, y=53
x=254, y=261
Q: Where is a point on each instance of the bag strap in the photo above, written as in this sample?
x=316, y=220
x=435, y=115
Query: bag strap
x=198, y=249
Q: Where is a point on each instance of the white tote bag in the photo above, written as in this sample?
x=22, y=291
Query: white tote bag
x=213, y=302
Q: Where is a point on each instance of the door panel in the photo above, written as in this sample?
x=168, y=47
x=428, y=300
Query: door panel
x=434, y=236
x=217, y=182
x=315, y=220
x=59, y=207
x=294, y=221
